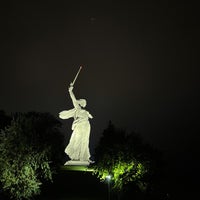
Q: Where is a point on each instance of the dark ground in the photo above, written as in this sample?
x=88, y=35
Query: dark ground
x=74, y=185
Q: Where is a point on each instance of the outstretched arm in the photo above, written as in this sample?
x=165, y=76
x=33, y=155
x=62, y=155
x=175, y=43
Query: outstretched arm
x=90, y=116
x=74, y=101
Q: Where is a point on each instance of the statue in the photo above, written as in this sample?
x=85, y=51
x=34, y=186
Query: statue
x=78, y=147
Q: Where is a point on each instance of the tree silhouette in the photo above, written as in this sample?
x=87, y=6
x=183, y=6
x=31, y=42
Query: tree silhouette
x=130, y=162
x=5, y=120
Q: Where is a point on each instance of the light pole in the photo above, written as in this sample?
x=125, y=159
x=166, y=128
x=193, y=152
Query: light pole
x=108, y=178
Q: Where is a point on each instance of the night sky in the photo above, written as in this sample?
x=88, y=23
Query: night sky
x=140, y=69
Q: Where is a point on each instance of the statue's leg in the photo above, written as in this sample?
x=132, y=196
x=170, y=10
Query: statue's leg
x=85, y=152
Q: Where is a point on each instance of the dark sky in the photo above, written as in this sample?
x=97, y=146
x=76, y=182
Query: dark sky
x=140, y=67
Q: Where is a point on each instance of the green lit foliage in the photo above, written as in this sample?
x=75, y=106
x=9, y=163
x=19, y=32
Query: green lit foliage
x=24, y=166
x=130, y=162
x=123, y=170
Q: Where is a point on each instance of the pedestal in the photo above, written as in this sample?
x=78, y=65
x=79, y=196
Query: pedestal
x=77, y=163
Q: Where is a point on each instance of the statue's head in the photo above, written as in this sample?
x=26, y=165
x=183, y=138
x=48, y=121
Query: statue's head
x=82, y=102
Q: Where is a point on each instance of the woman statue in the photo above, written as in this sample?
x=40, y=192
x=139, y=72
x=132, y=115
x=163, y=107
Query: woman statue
x=78, y=147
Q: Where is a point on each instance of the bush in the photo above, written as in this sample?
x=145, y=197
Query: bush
x=23, y=167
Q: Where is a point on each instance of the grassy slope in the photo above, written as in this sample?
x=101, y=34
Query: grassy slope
x=74, y=184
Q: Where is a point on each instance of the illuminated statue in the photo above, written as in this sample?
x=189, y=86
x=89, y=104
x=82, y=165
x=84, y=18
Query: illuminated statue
x=78, y=147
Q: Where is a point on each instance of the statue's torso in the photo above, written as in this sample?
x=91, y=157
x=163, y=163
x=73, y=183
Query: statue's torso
x=81, y=114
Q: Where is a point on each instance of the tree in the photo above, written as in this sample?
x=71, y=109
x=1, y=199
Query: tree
x=4, y=119
x=26, y=154
x=128, y=161
x=42, y=131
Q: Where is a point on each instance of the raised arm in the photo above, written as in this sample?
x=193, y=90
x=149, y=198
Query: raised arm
x=74, y=101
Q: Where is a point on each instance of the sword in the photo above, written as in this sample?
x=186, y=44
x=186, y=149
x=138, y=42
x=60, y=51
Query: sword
x=72, y=84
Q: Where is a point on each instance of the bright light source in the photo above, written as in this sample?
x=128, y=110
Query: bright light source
x=108, y=177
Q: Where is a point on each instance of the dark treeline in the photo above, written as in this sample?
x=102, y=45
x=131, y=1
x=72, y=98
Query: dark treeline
x=5, y=119
x=32, y=145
